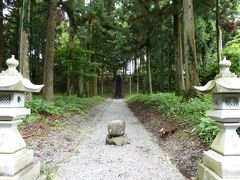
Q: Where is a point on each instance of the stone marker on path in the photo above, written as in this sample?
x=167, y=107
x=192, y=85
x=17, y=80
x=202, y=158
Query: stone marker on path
x=116, y=133
x=16, y=161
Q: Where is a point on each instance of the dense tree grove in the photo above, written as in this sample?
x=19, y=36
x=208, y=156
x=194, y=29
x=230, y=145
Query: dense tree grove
x=69, y=45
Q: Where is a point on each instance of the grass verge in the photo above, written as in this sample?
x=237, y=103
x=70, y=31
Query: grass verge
x=56, y=112
x=175, y=108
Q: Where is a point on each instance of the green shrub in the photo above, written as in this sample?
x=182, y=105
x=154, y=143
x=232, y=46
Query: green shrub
x=192, y=111
x=207, y=130
x=59, y=106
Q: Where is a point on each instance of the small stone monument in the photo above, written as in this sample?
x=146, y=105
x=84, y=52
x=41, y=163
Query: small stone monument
x=16, y=162
x=116, y=133
x=222, y=162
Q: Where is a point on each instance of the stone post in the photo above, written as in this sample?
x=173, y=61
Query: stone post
x=222, y=161
x=16, y=162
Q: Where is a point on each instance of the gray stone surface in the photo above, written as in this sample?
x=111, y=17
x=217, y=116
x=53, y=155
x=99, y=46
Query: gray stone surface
x=142, y=159
x=116, y=128
x=117, y=140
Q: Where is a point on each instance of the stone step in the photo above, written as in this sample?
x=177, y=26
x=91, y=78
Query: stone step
x=11, y=164
x=32, y=172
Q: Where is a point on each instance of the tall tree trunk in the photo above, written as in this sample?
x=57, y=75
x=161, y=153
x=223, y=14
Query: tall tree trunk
x=69, y=61
x=80, y=86
x=219, y=34
x=142, y=65
x=102, y=82
x=1, y=35
x=130, y=84
x=95, y=84
x=137, y=75
x=180, y=83
x=148, y=53
x=49, y=51
x=17, y=17
x=189, y=36
x=24, y=42
x=87, y=88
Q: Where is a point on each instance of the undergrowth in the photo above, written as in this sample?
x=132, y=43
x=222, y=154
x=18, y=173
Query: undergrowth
x=192, y=111
x=61, y=106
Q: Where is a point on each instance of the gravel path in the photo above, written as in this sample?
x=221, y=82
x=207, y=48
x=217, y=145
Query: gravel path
x=141, y=159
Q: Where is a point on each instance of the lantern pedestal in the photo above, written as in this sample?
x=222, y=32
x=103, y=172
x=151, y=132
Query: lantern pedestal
x=32, y=172
x=218, y=166
x=227, y=141
x=16, y=162
x=222, y=162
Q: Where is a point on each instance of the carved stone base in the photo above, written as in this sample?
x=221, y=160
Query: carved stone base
x=32, y=172
x=16, y=162
x=11, y=164
x=10, y=139
x=218, y=167
x=205, y=173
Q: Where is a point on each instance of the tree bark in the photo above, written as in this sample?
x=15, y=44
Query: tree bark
x=1, y=35
x=69, y=61
x=191, y=75
x=87, y=89
x=95, y=84
x=219, y=34
x=130, y=84
x=148, y=53
x=102, y=82
x=137, y=75
x=24, y=42
x=142, y=62
x=49, y=51
x=180, y=83
x=80, y=87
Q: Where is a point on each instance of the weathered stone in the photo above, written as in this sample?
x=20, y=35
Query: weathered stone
x=117, y=140
x=222, y=162
x=226, y=167
x=32, y=172
x=16, y=162
x=227, y=141
x=11, y=164
x=116, y=128
x=10, y=138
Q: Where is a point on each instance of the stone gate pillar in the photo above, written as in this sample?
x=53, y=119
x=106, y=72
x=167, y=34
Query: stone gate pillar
x=16, y=162
x=222, y=161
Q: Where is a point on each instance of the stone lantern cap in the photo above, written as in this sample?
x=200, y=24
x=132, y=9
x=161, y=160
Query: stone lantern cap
x=12, y=80
x=224, y=82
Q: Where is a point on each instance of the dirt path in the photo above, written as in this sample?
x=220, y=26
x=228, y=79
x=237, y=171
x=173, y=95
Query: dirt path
x=62, y=143
x=141, y=159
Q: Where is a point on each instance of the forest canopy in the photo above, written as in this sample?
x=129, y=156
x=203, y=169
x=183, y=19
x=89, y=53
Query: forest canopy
x=70, y=45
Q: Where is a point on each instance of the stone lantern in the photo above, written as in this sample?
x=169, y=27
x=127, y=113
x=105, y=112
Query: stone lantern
x=16, y=162
x=222, y=161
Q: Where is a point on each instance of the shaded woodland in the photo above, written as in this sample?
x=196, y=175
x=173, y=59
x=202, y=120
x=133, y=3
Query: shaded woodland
x=72, y=46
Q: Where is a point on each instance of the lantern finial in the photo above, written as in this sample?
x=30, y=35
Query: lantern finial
x=12, y=64
x=225, y=70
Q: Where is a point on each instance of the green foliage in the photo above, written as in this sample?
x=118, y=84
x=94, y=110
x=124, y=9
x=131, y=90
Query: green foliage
x=45, y=170
x=191, y=111
x=232, y=52
x=59, y=106
x=206, y=129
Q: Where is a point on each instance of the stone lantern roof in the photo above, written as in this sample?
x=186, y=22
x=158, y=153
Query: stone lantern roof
x=224, y=82
x=12, y=80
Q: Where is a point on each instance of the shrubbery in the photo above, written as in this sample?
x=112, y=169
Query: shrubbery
x=174, y=107
x=59, y=106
